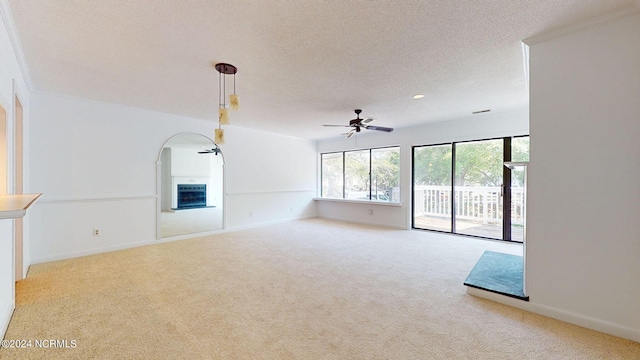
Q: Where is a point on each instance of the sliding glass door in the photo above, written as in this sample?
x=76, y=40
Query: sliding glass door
x=463, y=188
x=432, y=187
x=478, y=188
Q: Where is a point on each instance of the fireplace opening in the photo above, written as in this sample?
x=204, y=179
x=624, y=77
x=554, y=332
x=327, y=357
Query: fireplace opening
x=192, y=196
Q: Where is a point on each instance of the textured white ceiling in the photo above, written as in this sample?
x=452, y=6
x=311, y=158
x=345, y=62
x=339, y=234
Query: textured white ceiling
x=300, y=63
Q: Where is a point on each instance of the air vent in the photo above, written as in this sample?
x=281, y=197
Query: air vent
x=481, y=111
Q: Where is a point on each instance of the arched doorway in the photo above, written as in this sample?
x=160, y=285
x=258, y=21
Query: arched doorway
x=190, y=178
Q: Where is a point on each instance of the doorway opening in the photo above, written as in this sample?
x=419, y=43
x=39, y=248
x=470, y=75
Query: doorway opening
x=477, y=188
x=190, y=175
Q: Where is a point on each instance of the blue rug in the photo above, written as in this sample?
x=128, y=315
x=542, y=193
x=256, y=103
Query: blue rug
x=499, y=273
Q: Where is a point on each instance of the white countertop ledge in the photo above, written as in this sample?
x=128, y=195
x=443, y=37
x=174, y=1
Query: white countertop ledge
x=366, y=202
x=15, y=206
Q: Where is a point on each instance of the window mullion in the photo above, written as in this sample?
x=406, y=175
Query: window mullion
x=370, y=177
x=344, y=175
x=453, y=188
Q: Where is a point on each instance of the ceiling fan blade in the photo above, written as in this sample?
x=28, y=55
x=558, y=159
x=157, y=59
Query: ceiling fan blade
x=379, y=128
x=357, y=123
x=209, y=151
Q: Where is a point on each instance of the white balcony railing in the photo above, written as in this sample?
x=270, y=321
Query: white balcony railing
x=472, y=203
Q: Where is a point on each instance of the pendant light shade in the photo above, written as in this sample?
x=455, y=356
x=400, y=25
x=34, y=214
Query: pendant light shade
x=223, y=116
x=234, y=102
x=219, y=138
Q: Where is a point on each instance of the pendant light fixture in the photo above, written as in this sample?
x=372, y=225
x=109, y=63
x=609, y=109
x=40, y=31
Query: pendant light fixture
x=219, y=137
x=223, y=113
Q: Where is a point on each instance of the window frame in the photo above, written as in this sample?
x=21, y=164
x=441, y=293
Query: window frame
x=322, y=174
x=369, y=200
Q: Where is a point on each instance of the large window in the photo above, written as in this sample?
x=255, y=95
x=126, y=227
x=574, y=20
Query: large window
x=332, y=175
x=369, y=175
x=356, y=174
x=464, y=188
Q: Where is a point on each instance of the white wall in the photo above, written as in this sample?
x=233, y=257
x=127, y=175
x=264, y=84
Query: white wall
x=269, y=177
x=481, y=126
x=187, y=163
x=12, y=83
x=584, y=199
x=96, y=165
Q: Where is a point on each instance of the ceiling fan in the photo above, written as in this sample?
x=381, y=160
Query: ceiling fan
x=215, y=151
x=357, y=124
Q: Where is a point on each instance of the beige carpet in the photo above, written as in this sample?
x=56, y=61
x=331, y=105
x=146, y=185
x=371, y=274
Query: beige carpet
x=190, y=221
x=312, y=289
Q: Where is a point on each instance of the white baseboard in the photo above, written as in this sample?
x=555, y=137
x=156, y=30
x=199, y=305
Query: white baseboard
x=562, y=315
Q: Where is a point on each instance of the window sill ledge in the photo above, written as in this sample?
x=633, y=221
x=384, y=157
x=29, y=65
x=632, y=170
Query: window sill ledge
x=366, y=202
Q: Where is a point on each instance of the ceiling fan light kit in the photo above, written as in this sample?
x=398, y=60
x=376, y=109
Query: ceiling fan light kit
x=225, y=69
x=357, y=124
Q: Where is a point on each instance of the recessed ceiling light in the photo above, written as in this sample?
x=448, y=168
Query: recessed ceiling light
x=418, y=96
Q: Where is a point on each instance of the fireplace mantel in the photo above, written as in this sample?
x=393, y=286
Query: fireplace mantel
x=15, y=206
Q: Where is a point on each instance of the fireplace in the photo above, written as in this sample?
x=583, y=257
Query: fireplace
x=192, y=196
